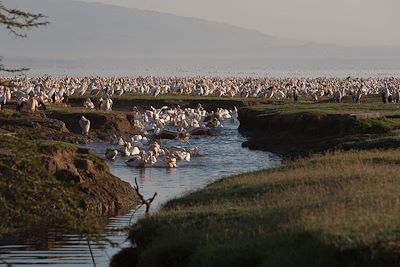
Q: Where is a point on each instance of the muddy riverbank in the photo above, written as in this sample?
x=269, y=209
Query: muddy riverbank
x=45, y=179
x=63, y=125
x=126, y=103
x=331, y=209
x=304, y=132
x=220, y=155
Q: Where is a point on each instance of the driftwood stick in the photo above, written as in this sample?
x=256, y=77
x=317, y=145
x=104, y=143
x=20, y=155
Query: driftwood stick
x=146, y=202
x=149, y=201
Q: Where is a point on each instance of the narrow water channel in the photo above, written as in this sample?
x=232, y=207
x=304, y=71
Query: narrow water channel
x=220, y=156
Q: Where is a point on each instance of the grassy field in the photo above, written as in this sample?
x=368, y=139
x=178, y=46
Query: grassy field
x=293, y=129
x=338, y=209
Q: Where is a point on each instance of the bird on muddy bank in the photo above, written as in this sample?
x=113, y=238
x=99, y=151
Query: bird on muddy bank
x=385, y=94
x=88, y=104
x=106, y=105
x=5, y=97
x=357, y=96
x=28, y=105
x=2, y=102
x=85, y=125
x=55, y=89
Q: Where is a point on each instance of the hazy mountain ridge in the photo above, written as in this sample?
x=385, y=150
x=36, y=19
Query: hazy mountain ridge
x=88, y=28
x=95, y=34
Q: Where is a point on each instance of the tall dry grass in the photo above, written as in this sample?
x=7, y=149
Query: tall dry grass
x=341, y=208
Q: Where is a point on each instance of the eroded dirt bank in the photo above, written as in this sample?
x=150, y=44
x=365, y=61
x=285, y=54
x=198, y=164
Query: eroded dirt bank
x=103, y=125
x=126, y=104
x=103, y=192
x=47, y=179
x=64, y=126
x=295, y=134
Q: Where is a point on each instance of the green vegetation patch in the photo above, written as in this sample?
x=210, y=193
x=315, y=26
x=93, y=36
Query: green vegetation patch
x=49, y=146
x=338, y=209
x=31, y=195
x=370, y=104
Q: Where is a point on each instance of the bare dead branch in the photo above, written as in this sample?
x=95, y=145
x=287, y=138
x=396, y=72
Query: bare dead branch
x=146, y=202
x=15, y=20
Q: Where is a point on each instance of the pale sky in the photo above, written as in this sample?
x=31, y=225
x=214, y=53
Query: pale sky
x=348, y=22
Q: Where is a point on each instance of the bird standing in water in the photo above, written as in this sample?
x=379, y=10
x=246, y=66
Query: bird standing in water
x=111, y=153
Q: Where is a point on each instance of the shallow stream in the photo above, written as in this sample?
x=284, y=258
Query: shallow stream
x=220, y=156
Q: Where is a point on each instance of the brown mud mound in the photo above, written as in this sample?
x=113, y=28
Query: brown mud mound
x=38, y=126
x=46, y=182
x=303, y=133
x=64, y=125
x=103, y=191
x=102, y=125
x=37, y=122
x=309, y=123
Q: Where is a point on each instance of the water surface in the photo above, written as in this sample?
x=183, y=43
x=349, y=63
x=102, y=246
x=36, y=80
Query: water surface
x=220, y=156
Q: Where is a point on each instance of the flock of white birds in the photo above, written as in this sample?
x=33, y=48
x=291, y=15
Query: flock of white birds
x=56, y=89
x=145, y=150
x=156, y=124
x=31, y=92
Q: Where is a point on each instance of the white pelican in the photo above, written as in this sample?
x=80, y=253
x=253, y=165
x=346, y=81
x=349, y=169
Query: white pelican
x=88, y=103
x=111, y=153
x=385, y=93
x=82, y=90
x=29, y=105
x=137, y=137
x=125, y=152
x=121, y=141
x=182, y=155
x=133, y=150
x=2, y=101
x=106, y=104
x=7, y=94
x=138, y=161
x=152, y=159
x=171, y=161
x=155, y=91
x=85, y=125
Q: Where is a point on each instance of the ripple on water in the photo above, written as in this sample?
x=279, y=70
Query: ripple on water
x=221, y=155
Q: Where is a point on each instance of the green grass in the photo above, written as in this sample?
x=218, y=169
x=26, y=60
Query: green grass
x=31, y=195
x=302, y=128
x=377, y=125
x=101, y=163
x=8, y=112
x=48, y=146
x=369, y=104
x=383, y=142
x=338, y=209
